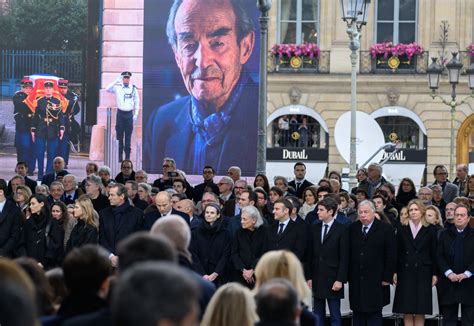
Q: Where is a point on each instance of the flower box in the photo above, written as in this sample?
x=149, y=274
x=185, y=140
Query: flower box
x=296, y=56
x=395, y=56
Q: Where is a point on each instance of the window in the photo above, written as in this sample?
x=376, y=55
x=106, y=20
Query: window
x=297, y=131
x=404, y=129
x=396, y=21
x=298, y=21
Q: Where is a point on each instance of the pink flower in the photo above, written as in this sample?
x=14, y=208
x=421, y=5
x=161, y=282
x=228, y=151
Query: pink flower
x=470, y=49
x=296, y=50
x=399, y=49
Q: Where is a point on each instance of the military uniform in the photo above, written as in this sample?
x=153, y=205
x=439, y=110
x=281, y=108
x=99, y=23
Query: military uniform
x=47, y=123
x=23, y=122
x=73, y=108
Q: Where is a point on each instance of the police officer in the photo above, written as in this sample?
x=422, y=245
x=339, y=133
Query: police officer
x=48, y=128
x=23, y=121
x=127, y=111
x=73, y=108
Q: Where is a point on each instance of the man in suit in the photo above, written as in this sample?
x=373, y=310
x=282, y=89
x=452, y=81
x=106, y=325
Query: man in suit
x=371, y=266
x=118, y=221
x=247, y=198
x=10, y=223
x=455, y=255
x=186, y=206
x=56, y=192
x=165, y=208
x=220, y=114
x=232, y=206
x=226, y=187
x=126, y=172
x=329, y=261
x=208, y=184
x=450, y=190
x=299, y=183
x=22, y=170
x=71, y=191
x=58, y=166
x=286, y=234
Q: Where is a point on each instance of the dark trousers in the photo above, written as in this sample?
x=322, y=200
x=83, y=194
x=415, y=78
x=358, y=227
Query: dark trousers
x=63, y=148
x=25, y=149
x=124, y=129
x=450, y=314
x=51, y=146
x=367, y=318
x=334, y=310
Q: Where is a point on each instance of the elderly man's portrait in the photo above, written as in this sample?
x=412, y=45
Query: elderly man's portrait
x=200, y=89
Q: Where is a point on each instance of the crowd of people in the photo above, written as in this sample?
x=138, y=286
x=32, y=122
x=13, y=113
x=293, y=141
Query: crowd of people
x=126, y=250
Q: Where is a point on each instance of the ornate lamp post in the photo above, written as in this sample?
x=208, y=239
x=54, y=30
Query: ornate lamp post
x=264, y=6
x=453, y=67
x=354, y=13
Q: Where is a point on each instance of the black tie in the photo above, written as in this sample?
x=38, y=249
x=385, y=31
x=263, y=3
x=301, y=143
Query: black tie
x=364, y=230
x=326, y=227
x=280, y=229
x=298, y=185
x=69, y=197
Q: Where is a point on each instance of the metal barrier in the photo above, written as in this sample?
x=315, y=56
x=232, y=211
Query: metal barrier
x=110, y=146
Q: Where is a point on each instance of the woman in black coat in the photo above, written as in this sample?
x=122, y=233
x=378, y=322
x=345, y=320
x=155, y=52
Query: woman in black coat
x=42, y=235
x=416, y=266
x=406, y=192
x=86, y=229
x=247, y=246
x=210, y=246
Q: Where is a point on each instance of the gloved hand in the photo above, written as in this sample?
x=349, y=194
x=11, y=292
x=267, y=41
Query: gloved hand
x=135, y=116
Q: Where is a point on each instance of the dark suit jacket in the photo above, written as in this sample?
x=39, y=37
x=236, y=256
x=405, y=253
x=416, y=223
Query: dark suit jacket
x=372, y=260
x=293, y=239
x=10, y=228
x=449, y=292
x=120, y=178
x=304, y=185
x=112, y=230
x=151, y=217
x=199, y=190
x=229, y=208
x=195, y=222
x=49, y=178
x=28, y=182
x=329, y=260
x=68, y=201
x=169, y=132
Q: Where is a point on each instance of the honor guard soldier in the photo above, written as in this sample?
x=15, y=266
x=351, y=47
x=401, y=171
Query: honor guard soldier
x=127, y=111
x=48, y=128
x=73, y=108
x=23, y=121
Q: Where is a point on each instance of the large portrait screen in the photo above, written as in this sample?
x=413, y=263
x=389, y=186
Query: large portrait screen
x=200, y=84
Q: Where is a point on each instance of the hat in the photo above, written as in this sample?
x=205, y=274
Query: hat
x=26, y=81
x=48, y=83
x=63, y=83
x=126, y=74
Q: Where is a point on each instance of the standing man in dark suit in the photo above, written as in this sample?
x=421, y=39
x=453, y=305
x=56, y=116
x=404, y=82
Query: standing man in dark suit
x=329, y=261
x=165, y=208
x=186, y=206
x=22, y=170
x=286, y=234
x=211, y=43
x=455, y=255
x=371, y=266
x=299, y=183
x=118, y=221
x=10, y=223
x=71, y=191
x=126, y=172
x=58, y=166
x=208, y=184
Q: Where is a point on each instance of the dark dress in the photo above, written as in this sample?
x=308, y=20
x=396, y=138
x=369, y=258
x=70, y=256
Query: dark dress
x=210, y=249
x=247, y=248
x=416, y=264
x=43, y=240
x=82, y=234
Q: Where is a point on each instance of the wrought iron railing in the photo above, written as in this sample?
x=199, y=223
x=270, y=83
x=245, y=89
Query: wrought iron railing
x=299, y=64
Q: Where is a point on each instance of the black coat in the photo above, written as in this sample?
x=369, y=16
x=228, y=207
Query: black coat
x=449, y=292
x=372, y=260
x=100, y=203
x=43, y=240
x=199, y=190
x=247, y=248
x=82, y=234
x=116, y=223
x=10, y=228
x=121, y=179
x=293, y=239
x=329, y=260
x=304, y=185
x=210, y=249
x=416, y=265
x=151, y=217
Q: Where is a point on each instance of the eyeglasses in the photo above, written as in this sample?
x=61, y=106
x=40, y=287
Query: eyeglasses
x=166, y=166
x=126, y=167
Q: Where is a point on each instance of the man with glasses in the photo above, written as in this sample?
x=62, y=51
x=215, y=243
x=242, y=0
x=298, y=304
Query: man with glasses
x=169, y=170
x=226, y=187
x=462, y=172
x=425, y=194
x=232, y=206
x=126, y=172
x=208, y=184
x=450, y=190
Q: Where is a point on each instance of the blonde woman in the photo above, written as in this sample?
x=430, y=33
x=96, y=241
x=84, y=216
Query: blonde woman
x=231, y=305
x=284, y=264
x=86, y=229
x=22, y=197
x=416, y=240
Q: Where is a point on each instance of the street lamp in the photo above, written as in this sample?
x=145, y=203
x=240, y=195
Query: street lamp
x=264, y=6
x=453, y=68
x=354, y=13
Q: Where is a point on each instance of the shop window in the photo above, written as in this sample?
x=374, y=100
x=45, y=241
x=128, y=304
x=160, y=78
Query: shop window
x=403, y=129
